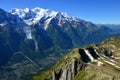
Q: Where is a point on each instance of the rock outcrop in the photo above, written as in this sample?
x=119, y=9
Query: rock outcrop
x=76, y=65
x=69, y=72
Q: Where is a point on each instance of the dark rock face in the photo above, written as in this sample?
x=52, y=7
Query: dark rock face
x=69, y=72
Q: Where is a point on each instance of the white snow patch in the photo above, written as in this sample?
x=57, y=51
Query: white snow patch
x=112, y=60
x=99, y=63
x=90, y=56
x=28, y=22
x=47, y=23
x=112, y=50
x=112, y=64
x=20, y=13
x=28, y=32
x=117, y=66
x=112, y=56
x=26, y=10
x=3, y=23
x=112, y=45
x=29, y=36
x=96, y=52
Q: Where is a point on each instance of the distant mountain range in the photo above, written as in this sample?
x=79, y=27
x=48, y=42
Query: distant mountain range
x=114, y=27
x=32, y=40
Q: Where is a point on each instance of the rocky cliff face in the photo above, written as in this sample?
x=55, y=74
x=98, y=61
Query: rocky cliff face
x=69, y=72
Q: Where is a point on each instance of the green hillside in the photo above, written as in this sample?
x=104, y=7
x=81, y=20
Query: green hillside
x=105, y=66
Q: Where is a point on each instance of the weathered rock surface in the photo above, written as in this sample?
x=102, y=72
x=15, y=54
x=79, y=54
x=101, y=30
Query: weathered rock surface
x=69, y=72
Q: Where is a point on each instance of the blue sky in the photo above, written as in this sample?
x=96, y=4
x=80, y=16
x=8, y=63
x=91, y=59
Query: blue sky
x=96, y=11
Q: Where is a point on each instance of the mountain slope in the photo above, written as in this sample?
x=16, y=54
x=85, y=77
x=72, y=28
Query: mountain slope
x=14, y=38
x=32, y=40
x=109, y=68
x=114, y=27
x=95, y=62
x=70, y=30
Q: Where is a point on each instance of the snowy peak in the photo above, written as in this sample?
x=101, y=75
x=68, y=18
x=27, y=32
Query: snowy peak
x=33, y=16
x=33, y=13
x=63, y=15
x=22, y=13
x=45, y=17
x=44, y=12
x=37, y=11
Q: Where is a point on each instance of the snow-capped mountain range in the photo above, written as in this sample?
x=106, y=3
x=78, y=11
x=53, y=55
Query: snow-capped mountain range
x=43, y=17
x=35, y=15
x=38, y=15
